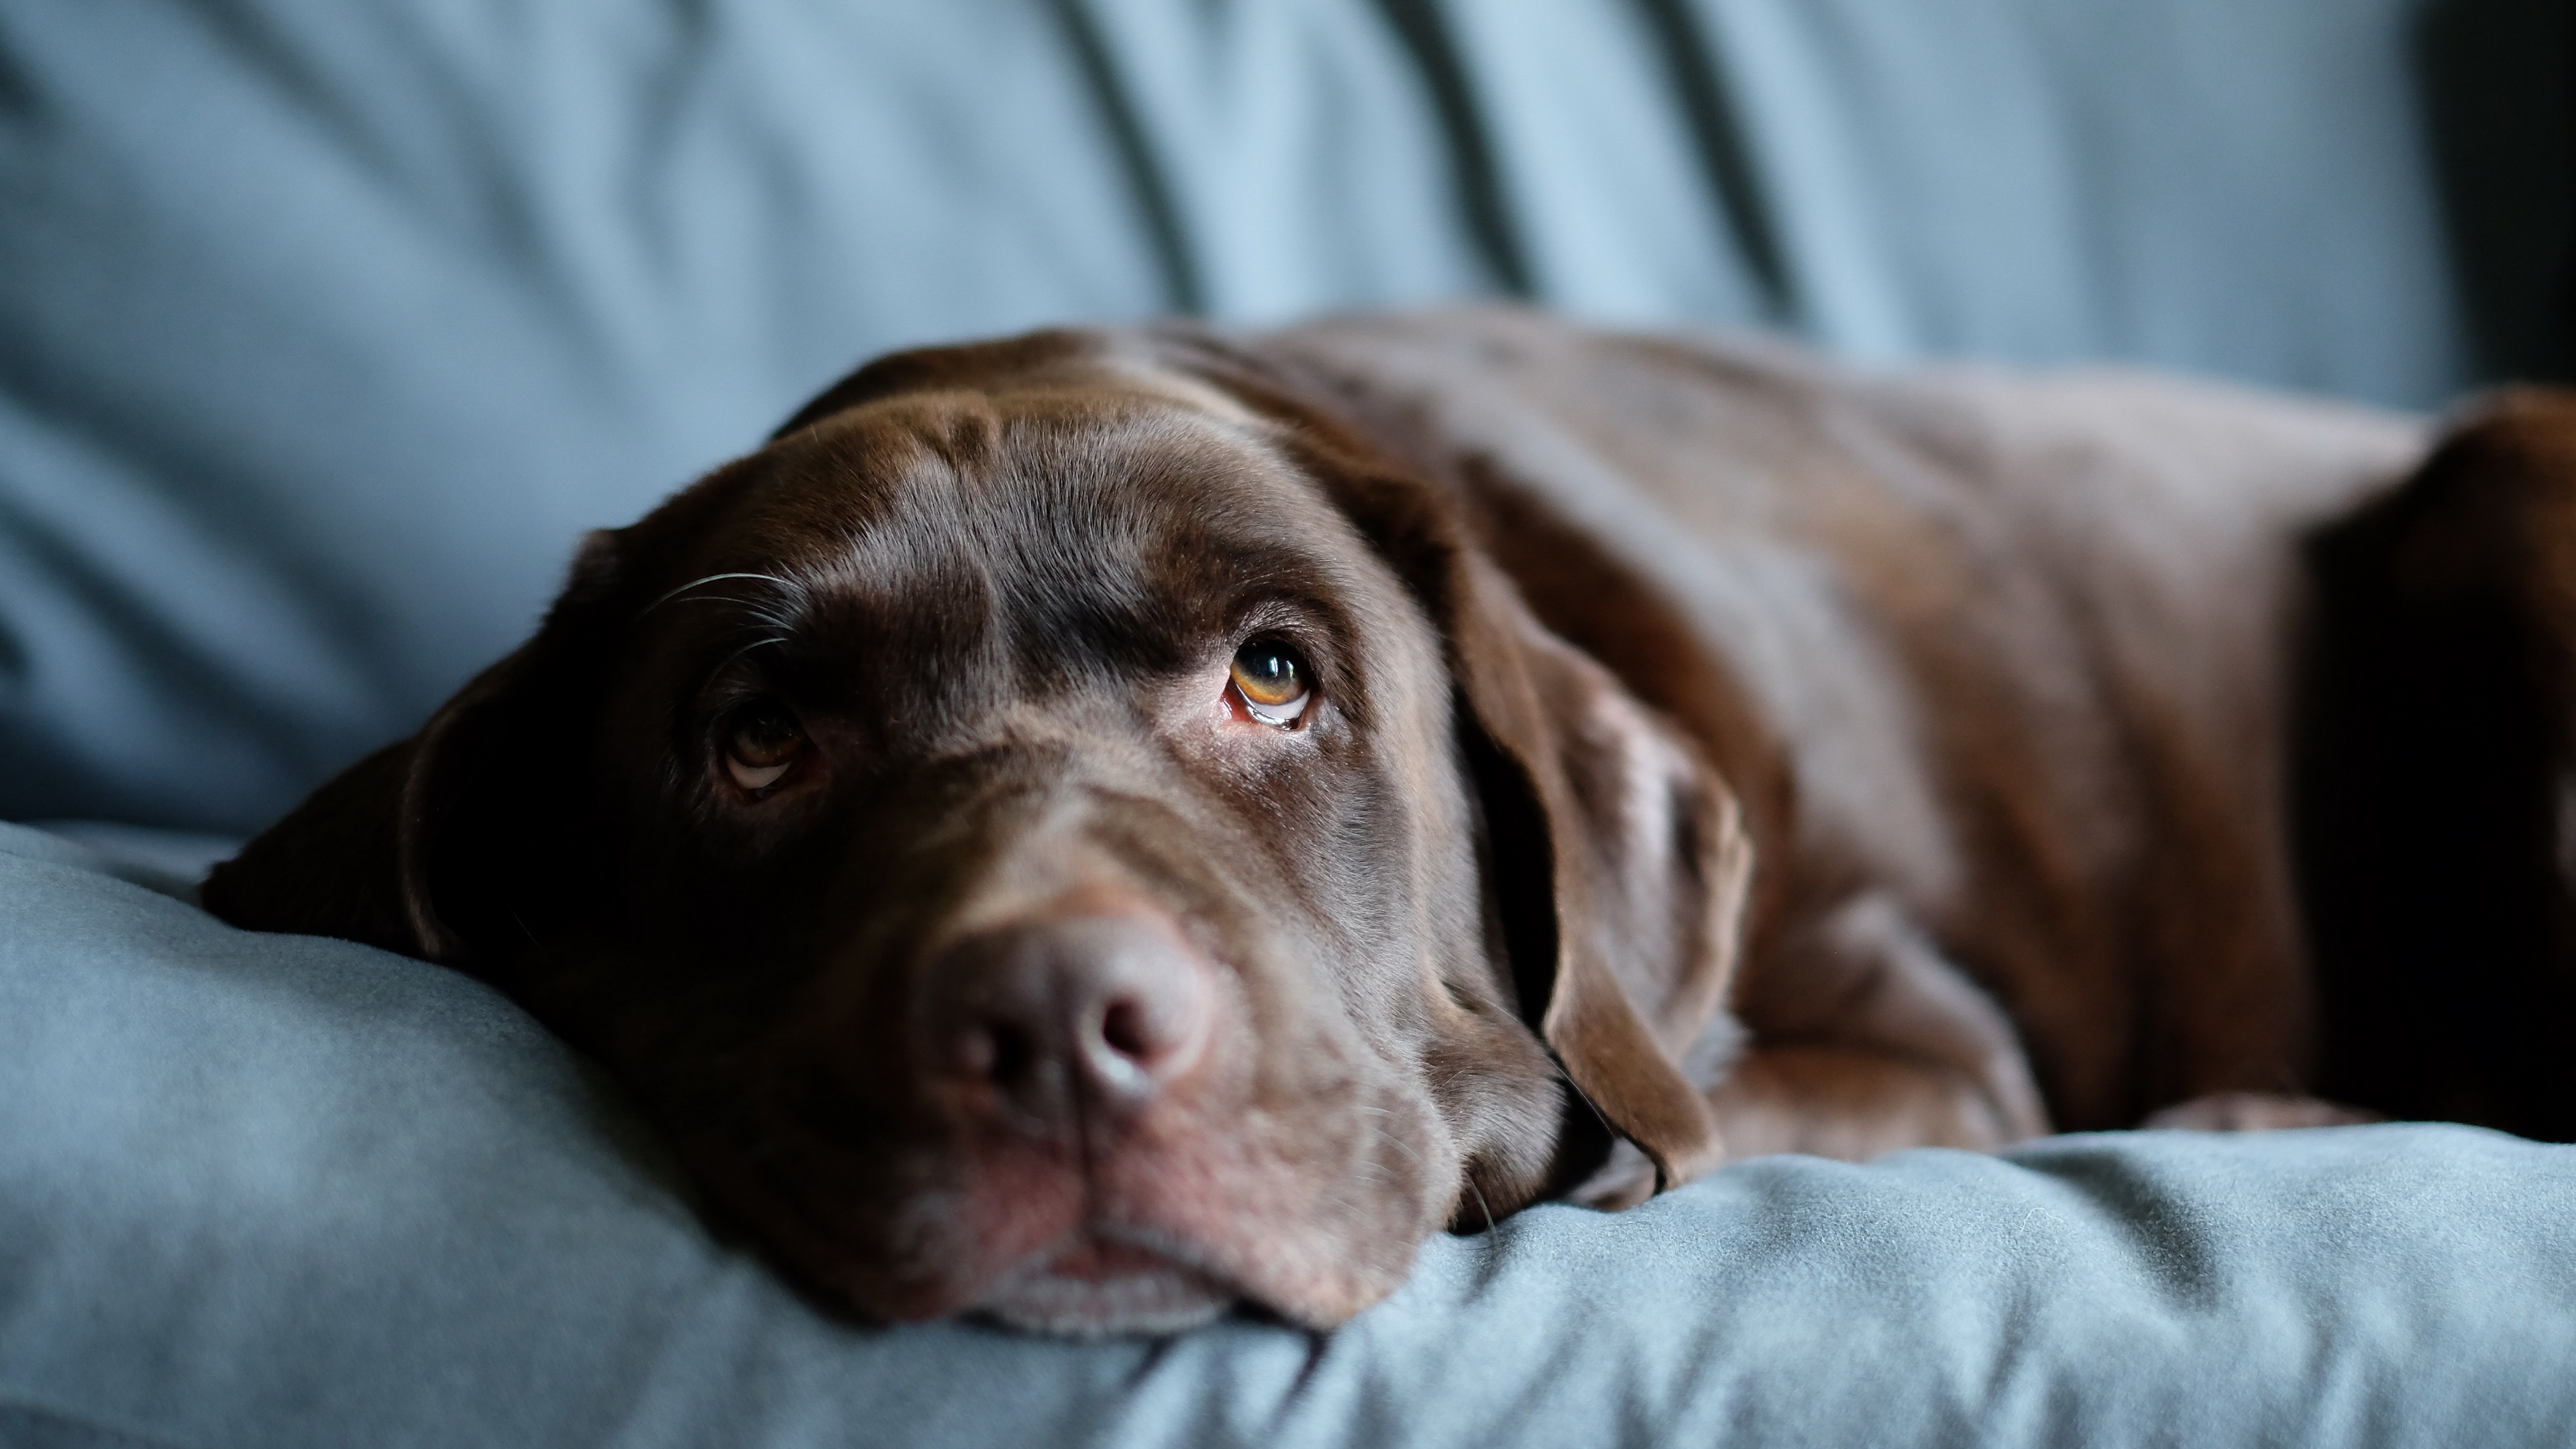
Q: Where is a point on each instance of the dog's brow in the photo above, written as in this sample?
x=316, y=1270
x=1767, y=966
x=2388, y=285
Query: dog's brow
x=712, y=578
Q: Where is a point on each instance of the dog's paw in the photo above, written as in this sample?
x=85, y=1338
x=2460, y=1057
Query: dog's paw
x=2254, y=1112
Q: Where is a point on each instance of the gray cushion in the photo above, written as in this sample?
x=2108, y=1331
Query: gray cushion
x=278, y=1191
x=325, y=328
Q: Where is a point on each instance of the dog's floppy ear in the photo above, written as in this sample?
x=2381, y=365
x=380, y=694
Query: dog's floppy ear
x=366, y=856
x=1638, y=842
x=1644, y=848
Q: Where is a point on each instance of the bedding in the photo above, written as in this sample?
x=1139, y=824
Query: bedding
x=277, y=1191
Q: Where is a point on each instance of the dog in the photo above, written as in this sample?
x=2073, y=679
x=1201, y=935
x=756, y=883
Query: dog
x=1090, y=828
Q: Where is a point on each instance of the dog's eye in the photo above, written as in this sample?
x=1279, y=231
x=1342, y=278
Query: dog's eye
x=761, y=744
x=1272, y=680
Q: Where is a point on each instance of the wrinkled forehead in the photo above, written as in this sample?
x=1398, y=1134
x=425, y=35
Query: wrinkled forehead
x=1120, y=524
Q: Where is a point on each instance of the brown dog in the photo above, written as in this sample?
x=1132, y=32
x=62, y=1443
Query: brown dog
x=1093, y=826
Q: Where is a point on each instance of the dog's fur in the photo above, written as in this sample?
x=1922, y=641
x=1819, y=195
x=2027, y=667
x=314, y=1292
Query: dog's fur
x=1709, y=752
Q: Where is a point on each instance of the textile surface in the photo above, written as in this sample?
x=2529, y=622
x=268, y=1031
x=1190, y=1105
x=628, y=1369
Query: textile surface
x=276, y=1191
x=325, y=329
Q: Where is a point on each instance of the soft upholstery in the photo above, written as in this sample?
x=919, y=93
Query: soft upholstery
x=273, y=1192
x=325, y=328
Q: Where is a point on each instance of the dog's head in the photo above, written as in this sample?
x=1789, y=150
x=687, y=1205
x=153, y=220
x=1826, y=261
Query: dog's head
x=1066, y=830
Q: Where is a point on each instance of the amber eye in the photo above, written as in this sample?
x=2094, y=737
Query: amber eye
x=762, y=742
x=1272, y=680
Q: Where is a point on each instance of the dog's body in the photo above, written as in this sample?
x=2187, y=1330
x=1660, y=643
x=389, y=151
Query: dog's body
x=1805, y=760
x=1997, y=664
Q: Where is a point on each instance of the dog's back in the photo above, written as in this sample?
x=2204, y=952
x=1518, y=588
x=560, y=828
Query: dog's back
x=2436, y=796
x=1999, y=663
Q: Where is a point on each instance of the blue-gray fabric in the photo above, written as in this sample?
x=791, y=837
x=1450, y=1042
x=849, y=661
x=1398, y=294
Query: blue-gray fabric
x=273, y=1191
x=325, y=328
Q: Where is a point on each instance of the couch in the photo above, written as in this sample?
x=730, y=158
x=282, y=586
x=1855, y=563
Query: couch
x=326, y=327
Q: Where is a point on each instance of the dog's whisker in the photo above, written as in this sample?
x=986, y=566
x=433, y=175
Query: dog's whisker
x=710, y=579
x=758, y=612
x=1585, y=1098
x=1391, y=1140
x=1481, y=1205
x=747, y=648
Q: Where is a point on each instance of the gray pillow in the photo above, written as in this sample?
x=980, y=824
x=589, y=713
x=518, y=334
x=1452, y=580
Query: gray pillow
x=277, y=1191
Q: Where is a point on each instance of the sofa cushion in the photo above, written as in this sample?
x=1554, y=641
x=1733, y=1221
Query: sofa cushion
x=277, y=1191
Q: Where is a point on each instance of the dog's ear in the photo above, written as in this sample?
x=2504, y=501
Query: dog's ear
x=374, y=856
x=1590, y=796
x=1644, y=850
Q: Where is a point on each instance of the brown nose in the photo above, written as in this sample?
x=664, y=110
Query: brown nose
x=1049, y=1019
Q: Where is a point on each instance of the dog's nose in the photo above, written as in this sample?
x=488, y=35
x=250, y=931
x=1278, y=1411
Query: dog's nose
x=1051, y=1018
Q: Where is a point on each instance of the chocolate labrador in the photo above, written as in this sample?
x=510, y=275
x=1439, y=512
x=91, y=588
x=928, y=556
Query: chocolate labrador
x=1091, y=827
